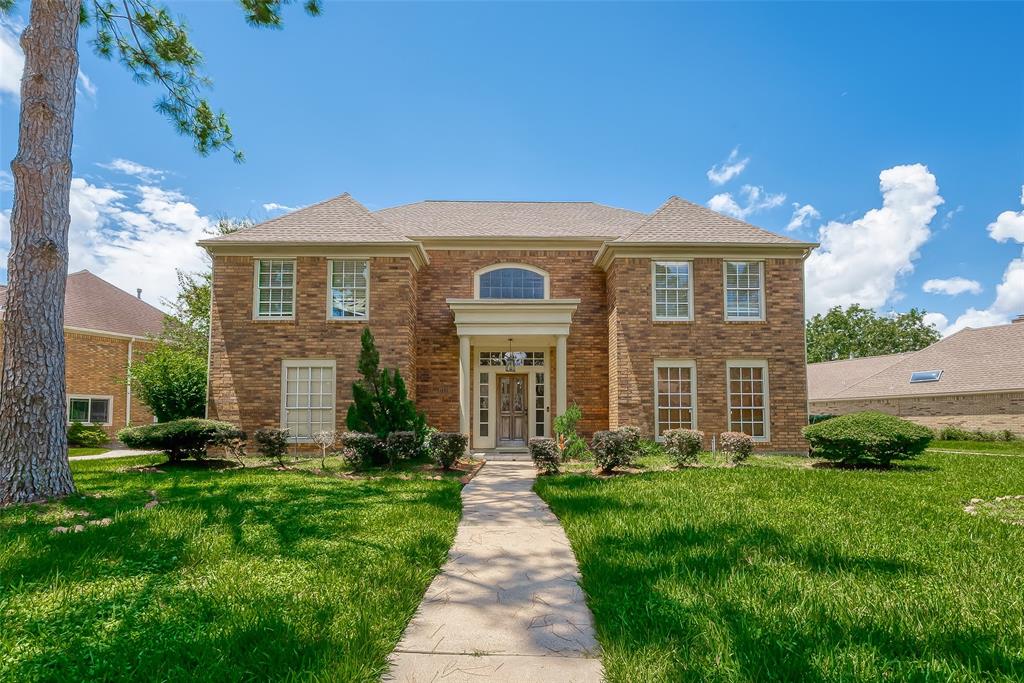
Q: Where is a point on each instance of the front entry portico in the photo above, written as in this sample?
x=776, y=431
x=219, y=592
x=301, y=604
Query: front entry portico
x=504, y=407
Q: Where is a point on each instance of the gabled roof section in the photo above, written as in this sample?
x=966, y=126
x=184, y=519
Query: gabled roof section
x=92, y=303
x=678, y=220
x=538, y=220
x=972, y=360
x=339, y=220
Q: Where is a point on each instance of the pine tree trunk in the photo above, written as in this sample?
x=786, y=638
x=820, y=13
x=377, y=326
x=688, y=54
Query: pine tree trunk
x=33, y=437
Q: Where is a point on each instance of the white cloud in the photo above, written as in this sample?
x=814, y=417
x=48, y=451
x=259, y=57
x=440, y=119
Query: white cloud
x=12, y=60
x=859, y=262
x=802, y=215
x=755, y=199
x=132, y=237
x=87, y=85
x=274, y=206
x=1009, y=225
x=720, y=174
x=936, y=320
x=133, y=168
x=951, y=286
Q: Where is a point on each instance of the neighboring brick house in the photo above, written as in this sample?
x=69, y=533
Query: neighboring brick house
x=973, y=379
x=500, y=314
x=104, y=327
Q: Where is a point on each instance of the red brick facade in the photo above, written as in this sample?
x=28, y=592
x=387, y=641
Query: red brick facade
x=988, y=412
x=96, y=366
x=611, y=347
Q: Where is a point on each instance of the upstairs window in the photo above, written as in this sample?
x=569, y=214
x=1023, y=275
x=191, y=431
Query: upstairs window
x=275, y=289
x=673, y=298
x=744, y=290
x=349, y=292
x=516, y=282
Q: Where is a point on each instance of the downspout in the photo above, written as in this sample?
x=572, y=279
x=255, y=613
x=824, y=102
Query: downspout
x=128, y=388
x=209, y=340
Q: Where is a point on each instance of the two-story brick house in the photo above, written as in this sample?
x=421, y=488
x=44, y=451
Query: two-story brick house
x=504, y=313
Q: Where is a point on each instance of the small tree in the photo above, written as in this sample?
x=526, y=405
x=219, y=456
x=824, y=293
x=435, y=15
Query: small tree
x=380, y=402
x=324, y=440
x=171, y=382
x=571, y=445
x=272, y=443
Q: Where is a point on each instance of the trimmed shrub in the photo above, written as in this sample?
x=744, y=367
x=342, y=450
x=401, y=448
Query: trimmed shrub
x=86, y=436
x=180, y=439
x=545, y=454
x=447, y=447
x=362, y=449
x=683, y=445
x=570, y=443
x=402, y=446
x=737, y=446
x=272, y=443
x=616, y=448
x=953, y=433
x=867, y=437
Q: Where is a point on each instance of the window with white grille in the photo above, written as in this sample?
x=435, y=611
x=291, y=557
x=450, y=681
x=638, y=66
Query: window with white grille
x=744, y=290
x=675, y=396
x=672, y=291
x=307, y=401
x=275, y=288
x=348, y=295
x=748, y=398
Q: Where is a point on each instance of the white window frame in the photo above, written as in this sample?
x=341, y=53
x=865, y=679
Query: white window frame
x=501, y=266
x=766, y=398
x=725, y=291
x=330, y=289
x=256, y=288
x=675, y=363
x=689, y=291
x=307, y=363
x=90, y=398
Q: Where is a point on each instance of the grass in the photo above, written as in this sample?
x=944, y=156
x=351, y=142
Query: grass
x=239, y=574
x=86, y=451
x=780, y=571
x=1005, y=447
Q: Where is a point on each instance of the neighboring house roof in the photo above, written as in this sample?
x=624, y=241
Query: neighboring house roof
x=340, y=219
x=971, y=361
x=678, y=220
x=344, y=220
x=91, y=303
x=444, y=218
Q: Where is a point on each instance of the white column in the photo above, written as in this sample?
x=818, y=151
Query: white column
x=560, y=369
x=464, y=366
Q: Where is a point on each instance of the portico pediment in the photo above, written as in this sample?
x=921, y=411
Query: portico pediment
x=504, y=317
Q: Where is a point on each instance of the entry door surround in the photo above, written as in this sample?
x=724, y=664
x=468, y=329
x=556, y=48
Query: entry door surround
x=498, y=423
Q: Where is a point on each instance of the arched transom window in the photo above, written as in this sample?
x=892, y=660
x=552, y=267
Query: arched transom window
x=511, y=282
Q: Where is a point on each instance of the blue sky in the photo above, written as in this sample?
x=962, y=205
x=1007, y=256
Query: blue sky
x=620, y=103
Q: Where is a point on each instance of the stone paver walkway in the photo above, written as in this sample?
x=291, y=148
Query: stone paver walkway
x=507, y=605
x=116, y=453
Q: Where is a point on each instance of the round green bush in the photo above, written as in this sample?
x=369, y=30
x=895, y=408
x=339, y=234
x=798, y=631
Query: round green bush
x=867, y=437
x=545, y=455
x=683, y=446
x=188, y=438
x=87, y=436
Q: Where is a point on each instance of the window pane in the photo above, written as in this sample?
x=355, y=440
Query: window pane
x=511, y=283
x=671, y=291
x=349, y=289
x=100, y=411
x=747, y=400
x=78, y=410
x=743, y=289
x=275, y=282
x=674, y=398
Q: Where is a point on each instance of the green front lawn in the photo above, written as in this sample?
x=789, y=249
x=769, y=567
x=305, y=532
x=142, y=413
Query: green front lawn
x=779, y=570
x=86, y=451
x=250, y=574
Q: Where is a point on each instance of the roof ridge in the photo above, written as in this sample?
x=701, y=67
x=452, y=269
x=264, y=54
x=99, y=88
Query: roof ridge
x=649, y=217
x=508, y=201
x=850, y=360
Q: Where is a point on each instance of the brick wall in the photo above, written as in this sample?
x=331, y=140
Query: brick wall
x=246, y=355
x=450, y=274
x=987, y=412
x=710, y=340
x=97, y=366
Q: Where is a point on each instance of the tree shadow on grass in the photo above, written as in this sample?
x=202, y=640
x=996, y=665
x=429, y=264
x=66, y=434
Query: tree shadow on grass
x=134, y=600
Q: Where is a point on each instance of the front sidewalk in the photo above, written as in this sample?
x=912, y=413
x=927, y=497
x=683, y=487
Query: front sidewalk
x=507, y=605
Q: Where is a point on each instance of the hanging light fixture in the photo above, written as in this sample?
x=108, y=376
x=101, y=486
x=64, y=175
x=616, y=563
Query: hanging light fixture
x=513, y=359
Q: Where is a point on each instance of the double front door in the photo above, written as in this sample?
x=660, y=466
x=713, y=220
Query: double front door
x=511, y=410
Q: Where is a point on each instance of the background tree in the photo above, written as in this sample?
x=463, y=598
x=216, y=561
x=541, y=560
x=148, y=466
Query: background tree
x=188, y=326
x=155, y=48
x=171, y=381
x=380, y=402
x=858, y=332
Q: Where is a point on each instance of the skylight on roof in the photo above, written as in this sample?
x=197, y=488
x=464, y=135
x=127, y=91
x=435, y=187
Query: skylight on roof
x=925, y=376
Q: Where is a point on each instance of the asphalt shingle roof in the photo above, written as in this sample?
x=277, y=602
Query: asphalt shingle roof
x=972, y=360
x=343, y=219
x=92, y=303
